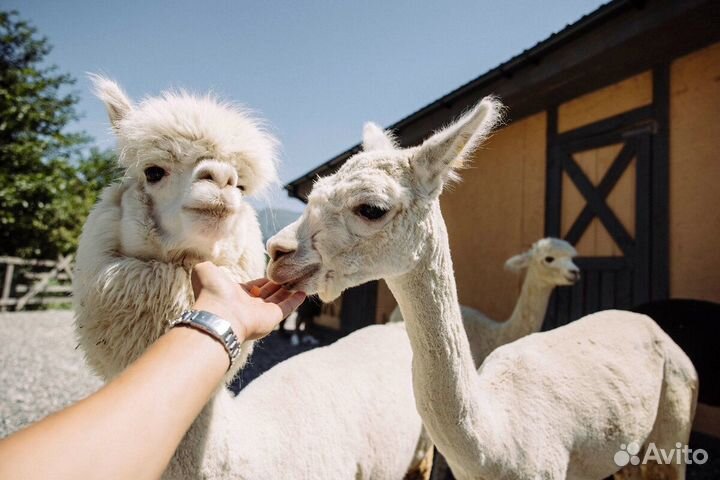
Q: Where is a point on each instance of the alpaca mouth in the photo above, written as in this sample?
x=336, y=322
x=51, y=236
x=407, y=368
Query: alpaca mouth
x=573, y=279
x=215, y=211
x=294, y=283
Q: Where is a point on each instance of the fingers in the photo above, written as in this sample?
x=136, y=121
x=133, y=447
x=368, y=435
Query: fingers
x=261, y=288
x=292, y=302
x=268, y=289
x=278, y=295
x=258, y=282
x=286, y=300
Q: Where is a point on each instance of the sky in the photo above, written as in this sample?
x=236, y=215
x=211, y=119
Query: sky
x=315, y=70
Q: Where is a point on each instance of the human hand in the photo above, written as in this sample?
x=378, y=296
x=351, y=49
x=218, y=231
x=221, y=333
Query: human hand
x=251, y=317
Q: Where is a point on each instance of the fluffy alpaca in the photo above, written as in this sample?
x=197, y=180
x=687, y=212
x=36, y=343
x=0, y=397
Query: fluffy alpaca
x=351, y=404
x=549, y=264
x=551, y=405
x=188, y=163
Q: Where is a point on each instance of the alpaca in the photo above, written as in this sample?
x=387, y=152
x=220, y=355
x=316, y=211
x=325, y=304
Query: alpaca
x=189, y=163
x=549, y=264
x=551, y=405
x=345, y=411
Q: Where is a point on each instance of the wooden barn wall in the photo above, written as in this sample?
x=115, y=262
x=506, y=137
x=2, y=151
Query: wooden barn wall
x=694, y=175
x=606, y=102
x=496, y=211
x=385, y=303
x=498, y=208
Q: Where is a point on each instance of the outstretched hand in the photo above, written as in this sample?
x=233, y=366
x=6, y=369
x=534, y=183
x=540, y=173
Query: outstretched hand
x=252, y=316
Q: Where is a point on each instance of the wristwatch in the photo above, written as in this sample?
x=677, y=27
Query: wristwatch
x=211, y=324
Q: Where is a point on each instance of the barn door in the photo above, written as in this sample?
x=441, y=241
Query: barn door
x=359, y=304
x=600, y=198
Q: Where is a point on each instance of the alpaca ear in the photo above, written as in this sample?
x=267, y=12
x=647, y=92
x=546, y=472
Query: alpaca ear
x=439, y=156
x=518, y=262
x=117, y=103
x=374, y=138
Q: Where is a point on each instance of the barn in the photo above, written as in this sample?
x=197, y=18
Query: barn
x=611, y=142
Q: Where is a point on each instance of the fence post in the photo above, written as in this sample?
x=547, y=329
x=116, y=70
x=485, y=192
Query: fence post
x=63, y=263
x=7, y=285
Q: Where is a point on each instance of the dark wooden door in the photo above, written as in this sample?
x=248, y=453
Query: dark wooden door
x=600, y=195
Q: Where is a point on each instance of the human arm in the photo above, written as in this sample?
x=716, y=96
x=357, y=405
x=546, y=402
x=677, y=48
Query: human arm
x=131, y=427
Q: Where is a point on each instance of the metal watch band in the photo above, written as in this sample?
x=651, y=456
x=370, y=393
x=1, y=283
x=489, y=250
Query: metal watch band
x=216, y=327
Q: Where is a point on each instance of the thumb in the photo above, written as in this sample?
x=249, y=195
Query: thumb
x=291, y=303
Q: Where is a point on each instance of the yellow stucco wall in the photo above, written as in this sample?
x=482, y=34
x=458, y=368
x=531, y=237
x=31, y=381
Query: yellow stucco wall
x=695, y=175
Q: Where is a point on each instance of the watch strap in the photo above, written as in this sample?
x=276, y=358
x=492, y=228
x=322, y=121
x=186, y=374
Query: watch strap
x=214, y=326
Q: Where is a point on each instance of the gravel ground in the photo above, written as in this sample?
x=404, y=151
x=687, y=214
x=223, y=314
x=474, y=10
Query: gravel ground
x=41, y=370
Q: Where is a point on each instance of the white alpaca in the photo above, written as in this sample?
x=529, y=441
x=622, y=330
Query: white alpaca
x=189, y=161
x=551, y=405
x=549, y=264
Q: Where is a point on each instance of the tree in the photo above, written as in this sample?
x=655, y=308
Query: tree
x=48, y=178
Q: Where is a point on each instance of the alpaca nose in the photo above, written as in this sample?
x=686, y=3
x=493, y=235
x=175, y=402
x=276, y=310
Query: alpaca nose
x=575, y=273
x=276, y=251
x=283, y=242
x=221, y=174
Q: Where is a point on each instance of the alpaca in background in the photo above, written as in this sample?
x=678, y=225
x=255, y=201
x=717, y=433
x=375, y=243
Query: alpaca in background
x=548, y=264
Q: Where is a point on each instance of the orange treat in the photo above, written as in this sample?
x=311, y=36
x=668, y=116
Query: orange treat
x=255, y=291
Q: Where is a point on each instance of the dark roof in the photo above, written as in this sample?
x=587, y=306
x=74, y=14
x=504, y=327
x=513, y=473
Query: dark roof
x=448, y=106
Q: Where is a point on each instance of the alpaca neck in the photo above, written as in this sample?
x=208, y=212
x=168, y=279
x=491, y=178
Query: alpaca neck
x=444, y=375
x=529, y=312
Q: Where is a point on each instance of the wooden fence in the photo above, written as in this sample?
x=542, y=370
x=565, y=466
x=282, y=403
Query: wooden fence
x=34, y=282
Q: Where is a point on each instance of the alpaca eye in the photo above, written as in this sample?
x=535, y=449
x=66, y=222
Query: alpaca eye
x=549, y=259
x=154, y=174
x=370, y=212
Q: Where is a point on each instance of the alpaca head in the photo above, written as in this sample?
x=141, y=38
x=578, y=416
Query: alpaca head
x=372, y=218
x=189, y=163
x=550, y=260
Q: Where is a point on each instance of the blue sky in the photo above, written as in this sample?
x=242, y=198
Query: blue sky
x=316, y=70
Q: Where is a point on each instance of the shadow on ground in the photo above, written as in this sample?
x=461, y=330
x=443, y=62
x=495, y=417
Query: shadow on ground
x=274, y=349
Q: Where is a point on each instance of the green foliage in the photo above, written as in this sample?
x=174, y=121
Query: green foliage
x=48, y=181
